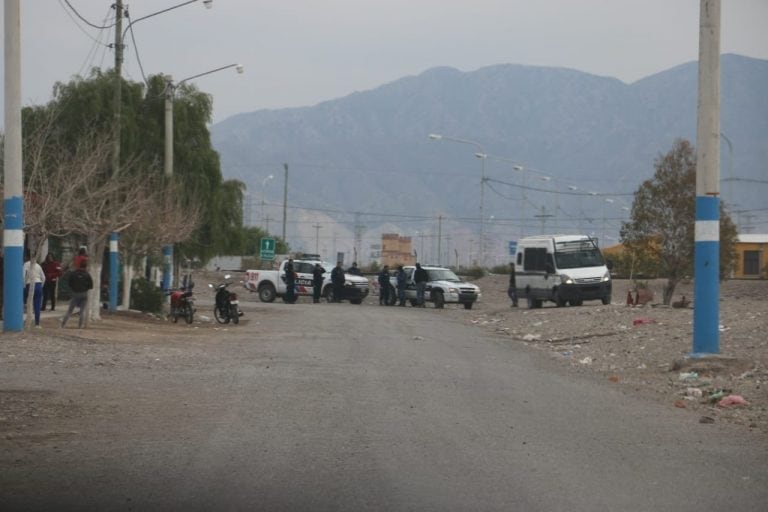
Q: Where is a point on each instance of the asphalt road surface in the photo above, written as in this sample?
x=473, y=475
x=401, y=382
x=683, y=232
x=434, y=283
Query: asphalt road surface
x=335, y=407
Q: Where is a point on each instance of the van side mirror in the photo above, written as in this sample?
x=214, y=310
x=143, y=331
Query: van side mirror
x=550, y=268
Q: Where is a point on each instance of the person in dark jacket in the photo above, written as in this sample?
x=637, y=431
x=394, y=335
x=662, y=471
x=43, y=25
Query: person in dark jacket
x=384, y=286
x=420, y=277
x=290, y=282
x=80, y=283
x=401, y=279
x=512, y=289
x=53, y=271
x=354, y=270
x=317, y=282
x=337, y=280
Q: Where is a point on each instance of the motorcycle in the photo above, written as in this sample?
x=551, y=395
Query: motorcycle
x=227, y=307
x=182, y=303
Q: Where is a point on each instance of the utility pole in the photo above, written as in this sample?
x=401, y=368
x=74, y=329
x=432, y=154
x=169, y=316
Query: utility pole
x=285, y=200
x=118, y=85
x=358, y=235
x=266, y=220
x=439, y=238
x=317, y=237
x=706, y=314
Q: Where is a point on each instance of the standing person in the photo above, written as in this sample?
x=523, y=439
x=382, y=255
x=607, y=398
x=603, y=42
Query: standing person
x=384, y=286
x=53, y=271
x=354, y=270
x=317, y=282
x=290, y=282
x=401, y=279
x=80, y=283
x=337, y=280
x=35, y=277
x=82, y=255
x=512, y=289
x=420, y=277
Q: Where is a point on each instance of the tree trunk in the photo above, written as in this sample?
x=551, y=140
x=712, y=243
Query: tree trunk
x=127, y=280
x=95, y=255
x=669, y=291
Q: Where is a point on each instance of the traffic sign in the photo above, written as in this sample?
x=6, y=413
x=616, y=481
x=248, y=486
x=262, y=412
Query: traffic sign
x=267, y=249
x=512, y=247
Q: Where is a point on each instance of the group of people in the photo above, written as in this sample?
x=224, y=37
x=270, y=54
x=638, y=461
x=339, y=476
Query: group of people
x=337, y=282
x=420, y=278
x=41, y=281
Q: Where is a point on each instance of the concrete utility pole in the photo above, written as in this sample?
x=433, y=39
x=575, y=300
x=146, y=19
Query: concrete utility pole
x=317, y=237
x=439, y=238
x=13, y=198
x=285, y=200
x=706, y=314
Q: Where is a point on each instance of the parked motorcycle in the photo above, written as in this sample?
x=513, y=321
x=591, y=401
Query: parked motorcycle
x=227, y=307
x=182, y=303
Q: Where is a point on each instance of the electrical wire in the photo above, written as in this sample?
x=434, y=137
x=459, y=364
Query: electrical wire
x=85, y=20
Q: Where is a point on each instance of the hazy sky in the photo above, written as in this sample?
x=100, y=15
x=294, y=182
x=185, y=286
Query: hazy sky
x=301, y=52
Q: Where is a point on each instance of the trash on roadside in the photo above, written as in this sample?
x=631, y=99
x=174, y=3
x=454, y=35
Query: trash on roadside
x=566, y=353
x=688, y=376
x=531, y=337
x=680, y=404
x=716, y=395
x=706, y=420
x=586, y=360
x=643, y=320
x=694, y=393
x=613, y=378
x=418, y=338
x=732, y=400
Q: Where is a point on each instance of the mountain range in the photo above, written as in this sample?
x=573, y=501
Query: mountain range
x=563, y=152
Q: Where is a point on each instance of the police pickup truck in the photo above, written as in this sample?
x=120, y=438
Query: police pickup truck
x=270, y=284
x=443, y=287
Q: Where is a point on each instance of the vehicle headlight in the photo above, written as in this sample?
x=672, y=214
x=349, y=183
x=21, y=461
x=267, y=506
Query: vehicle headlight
x=606, y=277
x=565, y=279
x=453, y=290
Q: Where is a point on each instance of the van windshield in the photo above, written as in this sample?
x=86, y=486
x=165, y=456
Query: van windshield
x=576, y=254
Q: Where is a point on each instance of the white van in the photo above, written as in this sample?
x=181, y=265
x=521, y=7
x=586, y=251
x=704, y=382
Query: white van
x=566, y=269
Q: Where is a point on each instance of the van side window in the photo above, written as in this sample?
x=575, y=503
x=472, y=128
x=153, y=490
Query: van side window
x=535, y=259
x=519, y=259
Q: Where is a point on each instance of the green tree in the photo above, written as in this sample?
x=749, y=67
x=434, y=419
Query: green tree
x=662, y=221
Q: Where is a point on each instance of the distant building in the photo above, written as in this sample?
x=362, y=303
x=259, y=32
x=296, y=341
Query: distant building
x=396, y=250
x=751, y=258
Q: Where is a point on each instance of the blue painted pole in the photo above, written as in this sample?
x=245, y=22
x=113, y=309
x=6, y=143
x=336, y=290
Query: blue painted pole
x=114, y=261
x=706, y=312
x=13, y=265
x=167, y=266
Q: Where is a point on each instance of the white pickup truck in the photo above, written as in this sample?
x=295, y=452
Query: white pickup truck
x=270, y=284
x=443, y=287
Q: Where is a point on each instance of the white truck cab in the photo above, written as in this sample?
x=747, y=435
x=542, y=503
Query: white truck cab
x=564, y=269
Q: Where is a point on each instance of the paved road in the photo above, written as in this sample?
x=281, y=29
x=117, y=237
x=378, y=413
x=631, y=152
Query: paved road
x=302, y=409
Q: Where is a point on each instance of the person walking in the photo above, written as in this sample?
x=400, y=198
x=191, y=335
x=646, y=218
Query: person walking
x=317, y=282
x=512, y=289
x=401, y=280
x=52, y=270
x=420, y=277
x=290, y=282
x=34, y=277
x=80, y=283
x=384, y=286
x=337, y=280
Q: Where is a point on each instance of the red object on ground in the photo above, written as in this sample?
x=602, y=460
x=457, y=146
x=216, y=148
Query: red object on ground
x=643, y=320
x=732, y=400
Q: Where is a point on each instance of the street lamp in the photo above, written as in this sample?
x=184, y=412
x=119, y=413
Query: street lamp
x=438, y=137
x=170, y=89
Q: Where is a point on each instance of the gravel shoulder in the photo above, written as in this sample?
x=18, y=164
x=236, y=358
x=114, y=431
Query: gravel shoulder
x=645, y=349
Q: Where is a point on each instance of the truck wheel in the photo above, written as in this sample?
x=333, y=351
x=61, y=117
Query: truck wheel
x=533, y=303
x=356, y=301
x=329, y=294
x=606, y=299
x=438, y=299
x=267, y=293
x=578, y=302
x=468, y=305
x=559, y=300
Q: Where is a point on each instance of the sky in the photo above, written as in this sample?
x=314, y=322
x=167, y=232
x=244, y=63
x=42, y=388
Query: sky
x=301, y=52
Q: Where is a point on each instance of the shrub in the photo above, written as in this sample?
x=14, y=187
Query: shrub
x=145, y=296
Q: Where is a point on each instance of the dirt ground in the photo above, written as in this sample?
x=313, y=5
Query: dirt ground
x=645, y=349
x=641, y=349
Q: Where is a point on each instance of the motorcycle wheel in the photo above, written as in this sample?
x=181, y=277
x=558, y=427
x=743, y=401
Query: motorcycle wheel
x=189, y=313
x=221, y=318
x=235, y=314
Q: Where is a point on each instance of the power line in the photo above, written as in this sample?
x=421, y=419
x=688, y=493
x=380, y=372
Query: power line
x=85, y=20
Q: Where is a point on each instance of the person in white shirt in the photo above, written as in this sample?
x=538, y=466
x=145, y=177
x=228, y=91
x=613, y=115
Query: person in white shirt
x=34, y=276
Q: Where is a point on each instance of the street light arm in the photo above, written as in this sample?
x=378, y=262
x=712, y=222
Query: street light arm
x=222, y=68
x=206, y=2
